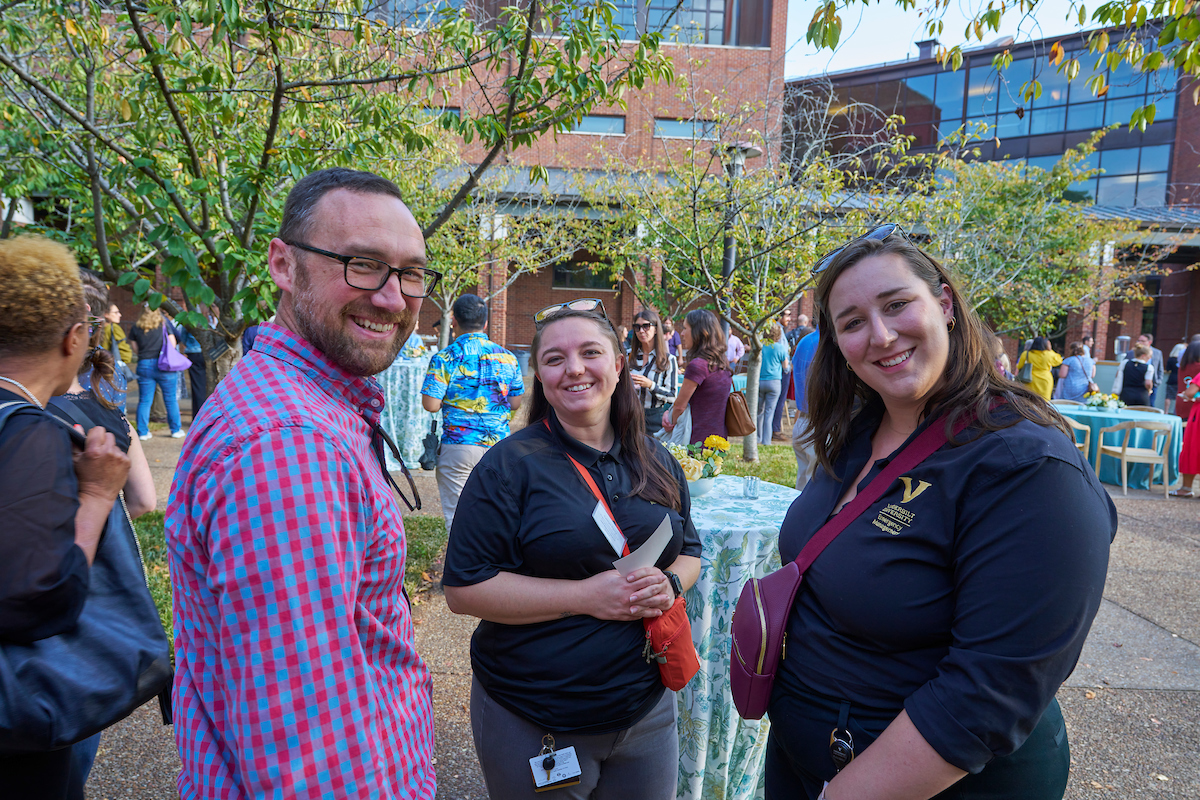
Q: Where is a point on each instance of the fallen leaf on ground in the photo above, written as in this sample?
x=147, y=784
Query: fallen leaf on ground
x=1090, y=695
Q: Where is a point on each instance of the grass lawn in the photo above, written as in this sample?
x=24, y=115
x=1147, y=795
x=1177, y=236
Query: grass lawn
x=426, y=540
x=776, y=463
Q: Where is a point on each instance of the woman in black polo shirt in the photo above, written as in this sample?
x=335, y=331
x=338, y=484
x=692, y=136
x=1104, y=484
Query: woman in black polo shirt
x=559, y=650
x=932, y=634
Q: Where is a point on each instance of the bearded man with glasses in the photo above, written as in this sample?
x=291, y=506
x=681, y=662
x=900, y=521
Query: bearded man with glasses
x=296, y=674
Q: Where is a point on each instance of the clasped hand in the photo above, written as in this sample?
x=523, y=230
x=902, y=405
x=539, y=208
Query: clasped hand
x=101, y=467
x=643, y=593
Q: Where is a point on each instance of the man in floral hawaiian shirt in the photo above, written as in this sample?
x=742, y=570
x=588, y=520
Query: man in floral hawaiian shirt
x=477, y=385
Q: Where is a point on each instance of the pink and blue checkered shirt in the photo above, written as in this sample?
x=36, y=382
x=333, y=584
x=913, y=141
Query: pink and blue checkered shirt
x=296, y=675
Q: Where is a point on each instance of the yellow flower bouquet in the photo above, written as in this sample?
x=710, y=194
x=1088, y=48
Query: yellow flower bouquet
x=701, y=460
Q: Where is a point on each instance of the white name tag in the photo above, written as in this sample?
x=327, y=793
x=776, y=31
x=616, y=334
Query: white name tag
x=565, y=772
x=609, y=528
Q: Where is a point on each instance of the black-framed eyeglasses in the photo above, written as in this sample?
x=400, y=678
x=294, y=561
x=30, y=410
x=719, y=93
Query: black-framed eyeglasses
x=583, y=304
x=94, y=324
x=879, y=233
x=370, y=274
x=643, y=326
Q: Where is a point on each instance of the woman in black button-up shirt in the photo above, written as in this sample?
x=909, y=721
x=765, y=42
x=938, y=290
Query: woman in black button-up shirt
x=933, y=632
x=559, y=648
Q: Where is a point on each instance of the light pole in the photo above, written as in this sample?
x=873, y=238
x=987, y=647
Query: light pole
x=734, y=158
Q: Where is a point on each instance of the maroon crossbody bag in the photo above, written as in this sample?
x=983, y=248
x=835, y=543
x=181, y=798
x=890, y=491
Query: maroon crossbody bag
x=759, y=624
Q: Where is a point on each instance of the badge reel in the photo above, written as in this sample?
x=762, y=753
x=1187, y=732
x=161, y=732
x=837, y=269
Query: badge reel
x=554, y=769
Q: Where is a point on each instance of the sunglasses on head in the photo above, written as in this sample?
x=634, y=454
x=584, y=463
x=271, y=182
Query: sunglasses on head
x=880, y=233
x=583, y=304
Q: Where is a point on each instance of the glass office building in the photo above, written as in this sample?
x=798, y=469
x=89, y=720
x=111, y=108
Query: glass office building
x=935, y=101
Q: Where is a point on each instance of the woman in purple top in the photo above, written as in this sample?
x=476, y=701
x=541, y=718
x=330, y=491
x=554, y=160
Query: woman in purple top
x=706, y=380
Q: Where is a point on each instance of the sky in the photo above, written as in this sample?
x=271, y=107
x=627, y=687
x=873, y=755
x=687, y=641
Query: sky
x=883, y=32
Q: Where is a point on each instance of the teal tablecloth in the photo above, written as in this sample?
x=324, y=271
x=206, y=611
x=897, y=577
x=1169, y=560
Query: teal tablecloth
x=721, y=755
x=1110, y=468
x=403, y=417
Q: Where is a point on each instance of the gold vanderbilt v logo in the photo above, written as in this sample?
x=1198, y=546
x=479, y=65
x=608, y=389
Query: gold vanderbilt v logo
x=909, y=492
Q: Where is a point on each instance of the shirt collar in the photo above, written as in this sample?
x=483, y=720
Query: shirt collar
x=364, y=394
x=588, y=456
x=472, y=334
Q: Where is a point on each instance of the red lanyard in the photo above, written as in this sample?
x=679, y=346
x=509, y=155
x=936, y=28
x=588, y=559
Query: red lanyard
x=587, y=478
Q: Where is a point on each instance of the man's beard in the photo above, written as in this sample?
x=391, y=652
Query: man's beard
x=325, y=331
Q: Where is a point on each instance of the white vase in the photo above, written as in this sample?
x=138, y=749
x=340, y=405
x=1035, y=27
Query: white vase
x=701, y=486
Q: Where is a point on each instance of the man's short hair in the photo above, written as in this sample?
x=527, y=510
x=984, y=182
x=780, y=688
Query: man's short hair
x=470, y=312
x=1149, y=337
x=308, y=191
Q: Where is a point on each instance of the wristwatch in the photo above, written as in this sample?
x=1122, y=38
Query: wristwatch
x=676, y=584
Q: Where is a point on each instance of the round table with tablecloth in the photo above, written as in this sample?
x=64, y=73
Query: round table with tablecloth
x=1110, y=468
x=403, y=418
x=720, y=754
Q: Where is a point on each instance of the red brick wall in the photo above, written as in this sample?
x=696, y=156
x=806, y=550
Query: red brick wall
x=1178, y=309
x=1185, y=167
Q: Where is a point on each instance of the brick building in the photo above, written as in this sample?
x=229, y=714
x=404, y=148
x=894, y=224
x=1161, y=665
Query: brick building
x=1152, y=176
x=728, y=49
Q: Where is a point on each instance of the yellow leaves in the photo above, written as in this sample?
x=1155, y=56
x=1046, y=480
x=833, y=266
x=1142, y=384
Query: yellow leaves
x=1057, y=53
x=71, y=27
x=126, y=110
x=273, y=151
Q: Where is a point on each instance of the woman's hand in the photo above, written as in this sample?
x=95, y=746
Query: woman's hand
x=643, y=593
x=667, y=423
x=641, y=381
x=101, y=467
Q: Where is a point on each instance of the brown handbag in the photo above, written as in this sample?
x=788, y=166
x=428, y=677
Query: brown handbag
x=738, y=420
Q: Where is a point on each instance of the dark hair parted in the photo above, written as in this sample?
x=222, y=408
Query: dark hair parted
x=651, y=479
x=99, y=361
x=1039, y=343
x=41, y=296
x=708, y=340
x=1191, y=355
x=661, y=353
x=308, y=191
x=971, y=386
x=471, y=312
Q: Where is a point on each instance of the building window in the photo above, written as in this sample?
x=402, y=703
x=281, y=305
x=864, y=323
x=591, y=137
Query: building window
x=740, y=23
x=601, y=124
x=695, y=129
x=583, y=271
x=1133, y=176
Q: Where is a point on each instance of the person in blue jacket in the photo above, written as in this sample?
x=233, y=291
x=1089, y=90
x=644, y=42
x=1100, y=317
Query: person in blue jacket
x=927, y=642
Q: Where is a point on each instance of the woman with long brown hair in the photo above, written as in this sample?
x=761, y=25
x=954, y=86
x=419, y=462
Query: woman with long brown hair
x=560, y=648
x=706, y=379
x=150, y=334
x=653, y=369
x=929, y=638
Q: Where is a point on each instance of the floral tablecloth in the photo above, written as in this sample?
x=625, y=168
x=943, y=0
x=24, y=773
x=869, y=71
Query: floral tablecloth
x=721, y=755
x=403, y=417
x=1110, y=468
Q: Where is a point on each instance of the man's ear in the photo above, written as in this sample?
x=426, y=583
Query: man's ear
x=281, y=261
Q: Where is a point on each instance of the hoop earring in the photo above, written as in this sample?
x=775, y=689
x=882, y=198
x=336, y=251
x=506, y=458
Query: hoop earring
x=849, y=367
x=950, y=326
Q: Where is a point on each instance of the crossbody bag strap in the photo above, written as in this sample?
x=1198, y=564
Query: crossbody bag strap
x=926, y=443
x=591, y=484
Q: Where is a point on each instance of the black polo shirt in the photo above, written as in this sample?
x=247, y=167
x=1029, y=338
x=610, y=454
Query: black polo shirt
x=526, y=510
x=963, y=595
x=43, y=573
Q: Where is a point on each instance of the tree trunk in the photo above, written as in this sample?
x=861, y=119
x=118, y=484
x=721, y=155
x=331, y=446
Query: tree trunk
x=444, y=330
x=750, y=442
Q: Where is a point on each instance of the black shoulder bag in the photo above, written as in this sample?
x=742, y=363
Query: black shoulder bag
x=62, y=689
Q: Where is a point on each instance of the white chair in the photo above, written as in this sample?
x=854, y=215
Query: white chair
x=1137, y=455
x=1151, y=409
x=1085, y=445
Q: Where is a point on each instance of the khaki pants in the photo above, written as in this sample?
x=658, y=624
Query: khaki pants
x=455, y=462
x=806, y=456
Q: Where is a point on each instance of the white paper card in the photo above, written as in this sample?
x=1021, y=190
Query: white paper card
x=647, y=555
x=566, y=766
x=609, y=528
